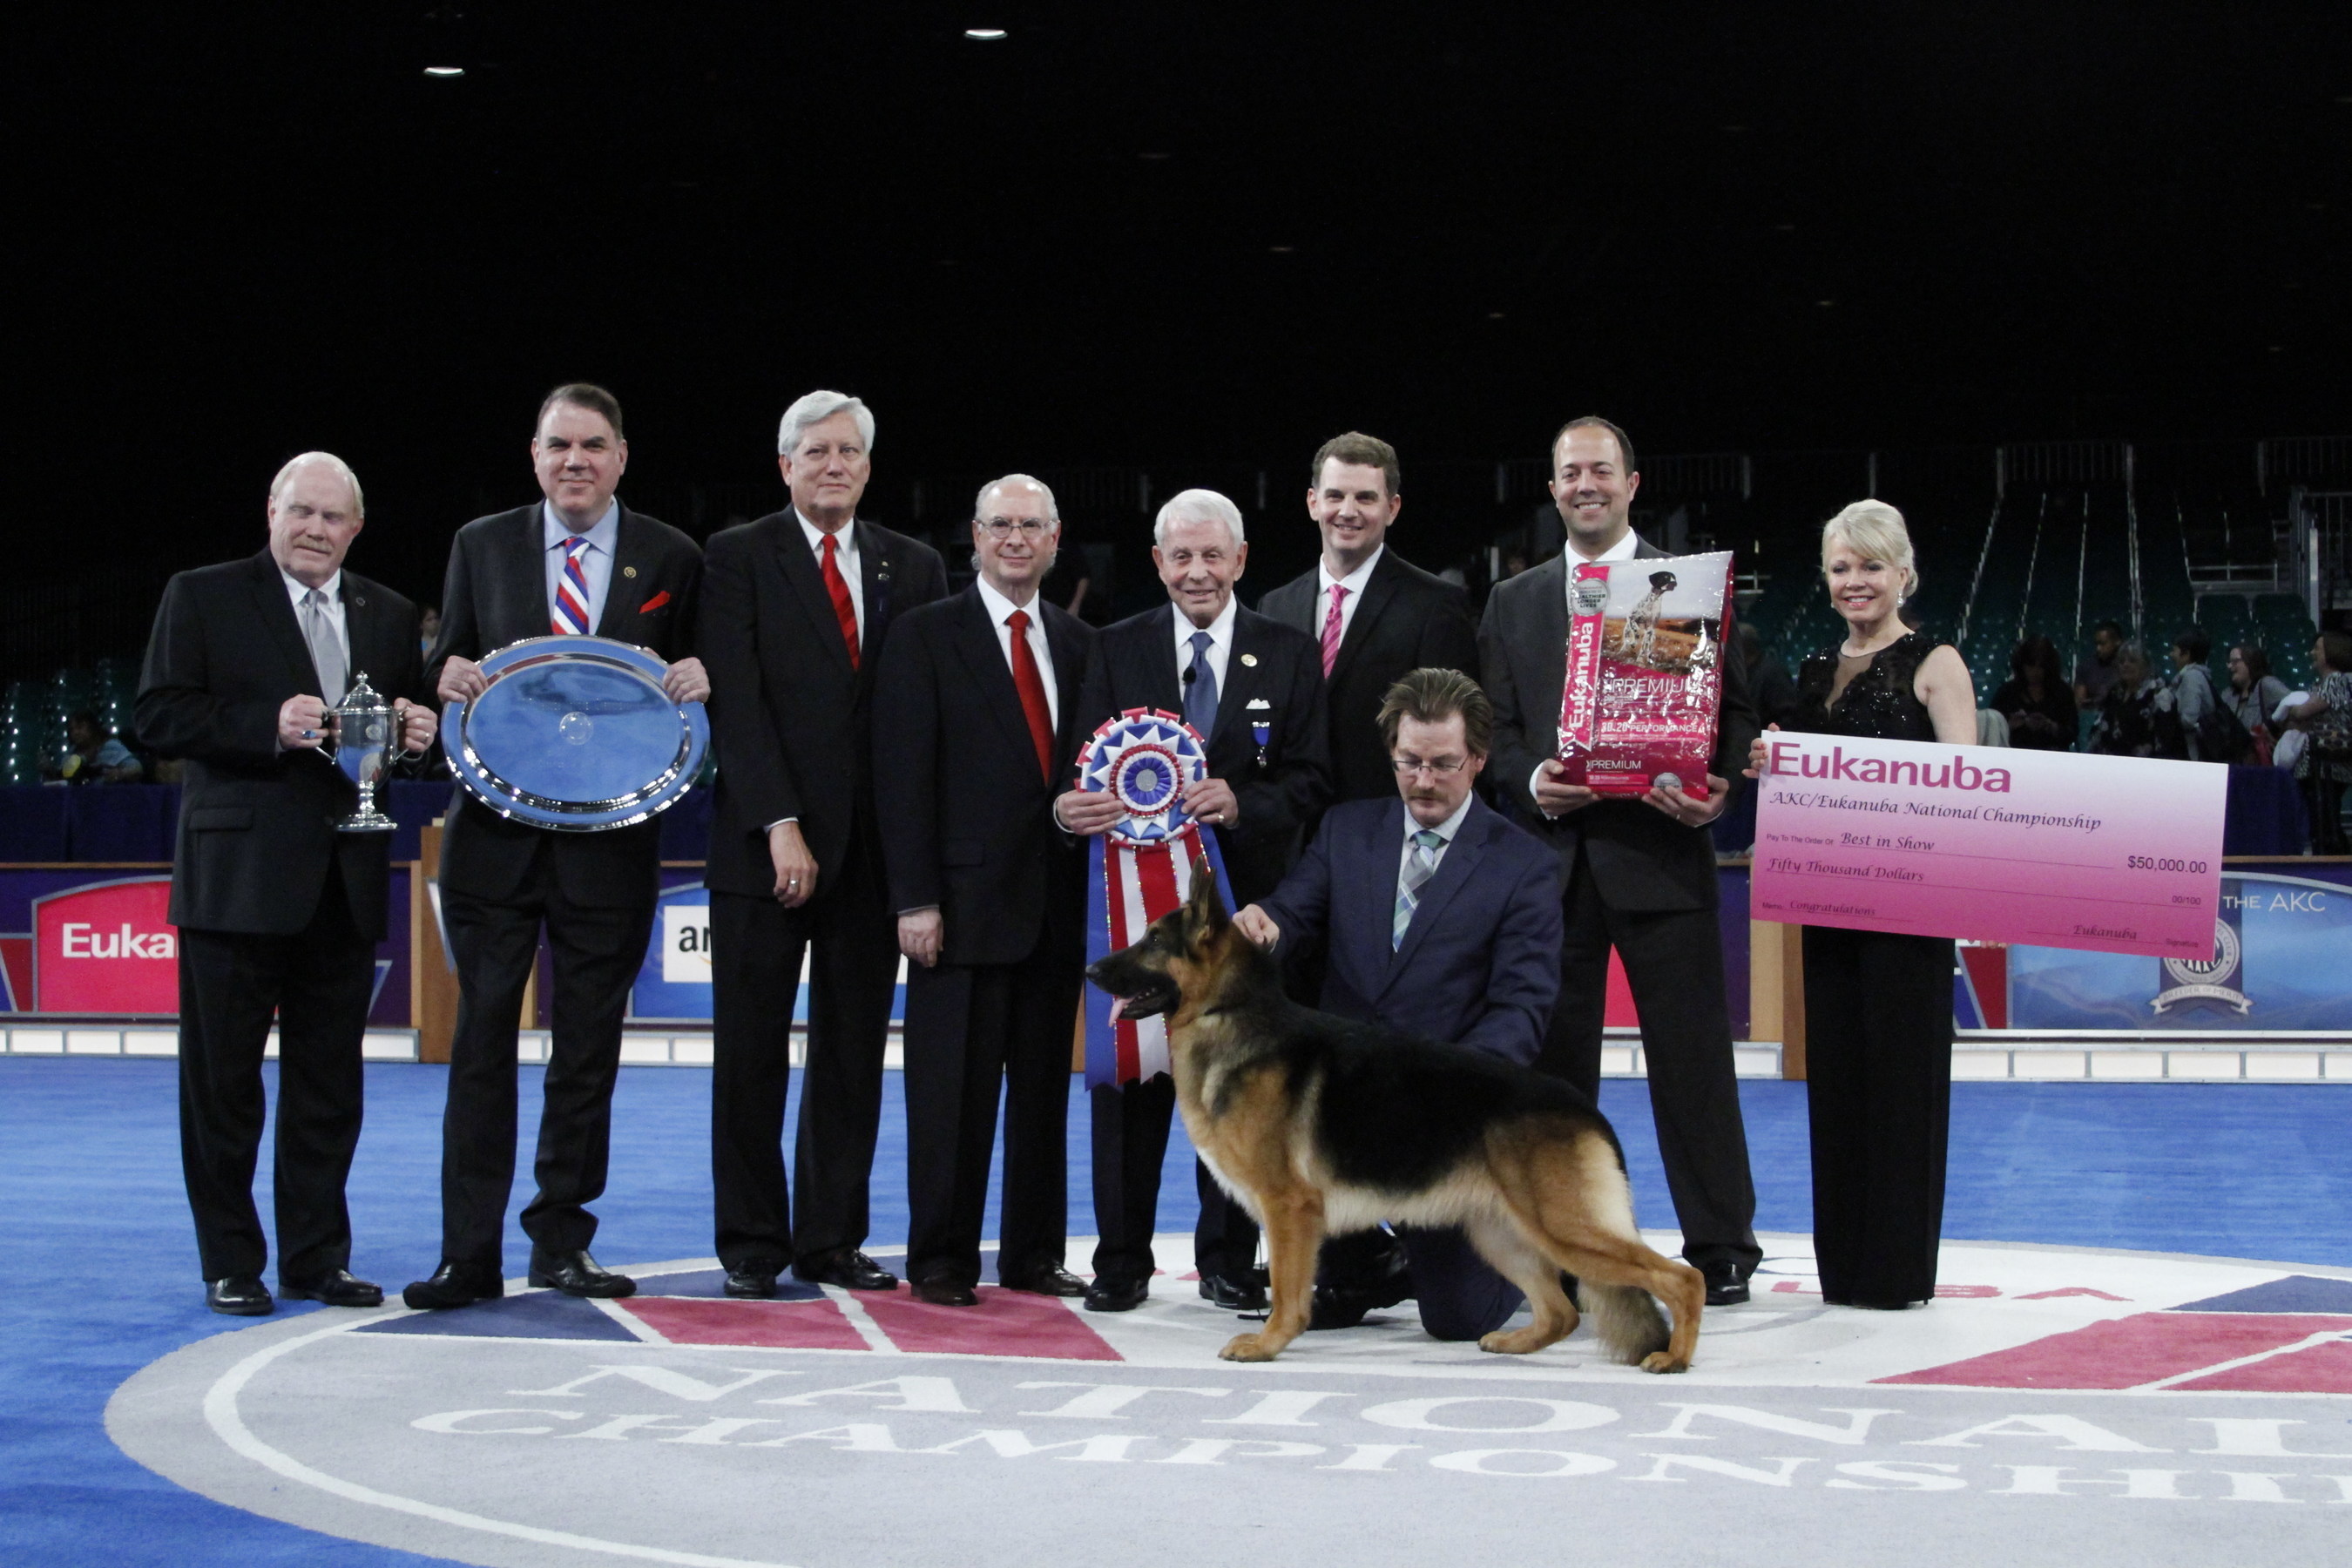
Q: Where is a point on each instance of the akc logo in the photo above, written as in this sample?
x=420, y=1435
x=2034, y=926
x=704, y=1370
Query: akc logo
x=107, y=948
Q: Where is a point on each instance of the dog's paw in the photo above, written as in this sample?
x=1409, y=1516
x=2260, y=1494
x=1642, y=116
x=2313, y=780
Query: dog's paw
x=1663, y=1360
x=1247, y=1347
x=1514, y=1341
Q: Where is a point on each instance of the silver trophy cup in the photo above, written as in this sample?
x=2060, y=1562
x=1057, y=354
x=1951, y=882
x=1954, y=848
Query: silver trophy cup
x=363, y=733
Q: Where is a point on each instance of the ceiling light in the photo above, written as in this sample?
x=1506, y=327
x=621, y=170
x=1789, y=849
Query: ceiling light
x=984, y=35
x=445, y=70
x=1282, y=249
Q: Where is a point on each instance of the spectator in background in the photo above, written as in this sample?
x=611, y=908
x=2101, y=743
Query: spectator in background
x=2035, y=699
x=2253, y=694
x=429, y=626
x=1769, y=686
x=92, y=754
x=2188, y=696
x=2325, y=765
x=2096, y=675
x=2126, y=726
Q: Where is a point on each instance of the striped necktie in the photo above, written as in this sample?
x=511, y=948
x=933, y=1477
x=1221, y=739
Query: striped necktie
x=571, y=615
x=1331, y=629
x=1418, y=870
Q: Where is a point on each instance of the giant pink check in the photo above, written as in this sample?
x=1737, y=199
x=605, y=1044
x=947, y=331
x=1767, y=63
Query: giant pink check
x=2042, y=849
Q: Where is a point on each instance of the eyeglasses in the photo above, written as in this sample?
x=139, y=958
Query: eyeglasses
x=1004, y=528
x=1444, y=767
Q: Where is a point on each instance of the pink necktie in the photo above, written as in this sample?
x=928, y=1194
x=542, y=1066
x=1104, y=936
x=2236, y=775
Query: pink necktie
x=1331, y=631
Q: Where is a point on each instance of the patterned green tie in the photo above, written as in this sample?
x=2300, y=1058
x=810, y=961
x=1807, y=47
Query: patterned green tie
x=1418, y=870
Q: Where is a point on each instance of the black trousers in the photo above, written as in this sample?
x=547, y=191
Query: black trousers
x=756, y=949
x=1458, y=1292
x=319, y=983
x=1131, y=1123
x=1674, y=961
x=1878, y=1065
x=597, y=951
x=974, y=1030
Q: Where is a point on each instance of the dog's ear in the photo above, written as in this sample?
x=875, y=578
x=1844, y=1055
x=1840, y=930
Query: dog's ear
x=1204, y=911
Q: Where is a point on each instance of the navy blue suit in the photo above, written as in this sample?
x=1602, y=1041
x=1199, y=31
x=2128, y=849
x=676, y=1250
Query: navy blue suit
x=1479, y=966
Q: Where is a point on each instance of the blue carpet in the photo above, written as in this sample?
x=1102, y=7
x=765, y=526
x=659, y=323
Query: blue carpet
x=104, y=1276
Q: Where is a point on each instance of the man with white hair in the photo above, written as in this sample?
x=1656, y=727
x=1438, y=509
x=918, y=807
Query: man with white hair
x=1254, y=689
x=975, y=725
x=794, y=609
x=276, y=911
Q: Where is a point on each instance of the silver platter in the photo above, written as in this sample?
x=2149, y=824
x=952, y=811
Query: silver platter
x=575, y=733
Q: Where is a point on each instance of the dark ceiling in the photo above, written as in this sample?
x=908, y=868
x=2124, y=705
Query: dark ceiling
x=1146, y=233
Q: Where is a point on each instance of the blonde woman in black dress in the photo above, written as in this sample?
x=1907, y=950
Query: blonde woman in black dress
x=1878, y=1005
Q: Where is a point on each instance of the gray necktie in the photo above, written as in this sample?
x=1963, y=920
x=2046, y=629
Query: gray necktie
x=1418, y=870
x=326, y=647
x=1201, y=691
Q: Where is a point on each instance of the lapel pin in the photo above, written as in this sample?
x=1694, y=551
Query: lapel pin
x=1250, y=659
x=628, y=571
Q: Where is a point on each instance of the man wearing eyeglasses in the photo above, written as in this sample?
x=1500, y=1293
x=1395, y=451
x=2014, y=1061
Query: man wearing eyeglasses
x=975, y=725
x=1441, y=920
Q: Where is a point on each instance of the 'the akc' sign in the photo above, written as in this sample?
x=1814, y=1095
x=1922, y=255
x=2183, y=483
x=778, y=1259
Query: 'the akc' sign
x=107, y=948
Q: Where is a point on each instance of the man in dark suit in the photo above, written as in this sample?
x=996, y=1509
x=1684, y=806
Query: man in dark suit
x=1443, y=921
x=1638, y=874
x=579, y=561
x=795, y=610
x=1253, y=687
x=975, y=719
x=1374, y=614
x=276, y=911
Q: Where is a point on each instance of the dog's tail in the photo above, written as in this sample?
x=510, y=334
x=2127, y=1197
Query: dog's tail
x=1626, y=1319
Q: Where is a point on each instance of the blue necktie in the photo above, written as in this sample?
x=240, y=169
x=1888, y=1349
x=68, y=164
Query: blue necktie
x=1201, y=691
x=1418, y=870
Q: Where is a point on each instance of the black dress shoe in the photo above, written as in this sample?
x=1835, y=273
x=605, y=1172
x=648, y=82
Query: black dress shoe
x=336, y=1289
x=1117, y=1295
x=850, y=1270
x=1725, y=1286
x=753, y=1281
x=1045, y=1279
x=944, y=1293
x=455, y=1285
x=1233, y=1295
x=577, y=1274
x=239, y=1296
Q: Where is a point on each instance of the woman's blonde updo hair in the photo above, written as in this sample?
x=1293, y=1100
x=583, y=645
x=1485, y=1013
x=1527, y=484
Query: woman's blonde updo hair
x=1875, y=529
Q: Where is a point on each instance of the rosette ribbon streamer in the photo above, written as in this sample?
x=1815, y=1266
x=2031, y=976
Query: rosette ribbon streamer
x=1140, y=869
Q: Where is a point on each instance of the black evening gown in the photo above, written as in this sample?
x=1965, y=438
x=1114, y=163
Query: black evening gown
x=1878, y=1040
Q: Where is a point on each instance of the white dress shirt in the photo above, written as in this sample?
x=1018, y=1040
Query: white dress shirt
x=999, y=610
x=1353, y=582
x=844, y=556
x=1221, y=648
x=1570, y=557
x=595, y=564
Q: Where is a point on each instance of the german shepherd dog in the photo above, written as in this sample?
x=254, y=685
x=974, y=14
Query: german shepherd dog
x=1319, y=1125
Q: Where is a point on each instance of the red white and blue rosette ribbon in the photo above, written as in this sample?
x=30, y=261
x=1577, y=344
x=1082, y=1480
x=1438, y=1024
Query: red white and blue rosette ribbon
x=1140, y=869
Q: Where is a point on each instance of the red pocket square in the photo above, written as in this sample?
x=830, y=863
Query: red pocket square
x=655, y=603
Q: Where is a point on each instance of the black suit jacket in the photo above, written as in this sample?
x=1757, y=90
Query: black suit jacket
x=790, y=719
x=967, y=814
x=1406, y=620
x=1281, y=787
x=257, y=825
x=496, y=594
x=1640, y=859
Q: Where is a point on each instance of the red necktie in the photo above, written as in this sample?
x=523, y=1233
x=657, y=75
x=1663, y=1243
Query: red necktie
x=843, y=610
x=1032, y=687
